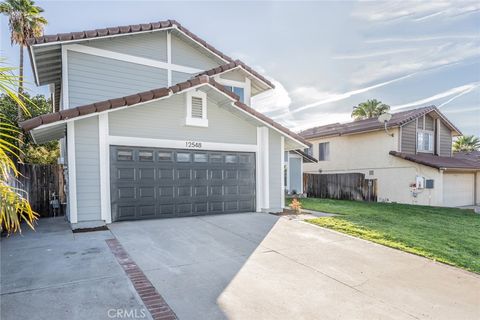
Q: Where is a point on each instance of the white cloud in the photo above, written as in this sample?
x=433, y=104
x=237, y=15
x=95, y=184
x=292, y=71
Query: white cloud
x=324, y=98
x=276, y=100
x=425, y=38
x=457, y=92
x=424, y=58
x=319, y=119
x=372, y=54
x=415, y=10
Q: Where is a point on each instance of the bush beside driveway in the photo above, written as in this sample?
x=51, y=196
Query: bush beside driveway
x=449, y=235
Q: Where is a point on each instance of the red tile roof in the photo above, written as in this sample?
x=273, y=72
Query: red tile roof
x=438, y=161
x=398, y=119
x=148, y=96
x=134, y=28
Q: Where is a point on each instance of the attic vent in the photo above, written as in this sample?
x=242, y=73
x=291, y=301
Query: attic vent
x=197, y=107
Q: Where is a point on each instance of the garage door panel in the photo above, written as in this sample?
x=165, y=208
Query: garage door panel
x=160, y=183
x=458, y=189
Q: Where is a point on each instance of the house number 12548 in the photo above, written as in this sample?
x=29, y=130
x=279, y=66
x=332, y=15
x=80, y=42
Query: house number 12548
x=193, y=144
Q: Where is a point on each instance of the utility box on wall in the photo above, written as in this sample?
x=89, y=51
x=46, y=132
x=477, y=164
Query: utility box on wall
x=429, y=184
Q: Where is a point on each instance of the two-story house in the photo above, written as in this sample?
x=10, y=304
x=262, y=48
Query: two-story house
x=154, y=122
x=411, y=159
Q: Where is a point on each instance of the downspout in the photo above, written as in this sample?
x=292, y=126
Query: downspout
x=475, y=188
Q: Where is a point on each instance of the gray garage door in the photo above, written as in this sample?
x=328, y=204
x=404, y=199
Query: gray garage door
x=160, y=183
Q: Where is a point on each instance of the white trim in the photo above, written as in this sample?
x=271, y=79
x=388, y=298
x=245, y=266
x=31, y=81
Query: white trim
x=179, y=144
x=282, y=172
x=246, y=71
x=129, y=58
x=65, y=101
x=72, y=174
x=288, y=171
x=189, y=120
x=169, y=56
x=104, y=156
x=248, y=91
x=301, y=175
x=32, y=55
x=263, y=192
x=432, y=136
x=246, y=86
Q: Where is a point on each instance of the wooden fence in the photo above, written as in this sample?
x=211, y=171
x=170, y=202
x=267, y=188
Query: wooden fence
x=347, y=186
x=40, y=183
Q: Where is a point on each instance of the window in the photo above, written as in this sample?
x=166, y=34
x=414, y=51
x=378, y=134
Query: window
x=424, y=141
x=125, y=155
x=324, y=151
x=196, y=109
x=145, y=155
x=183, y=157
x=216, y=158
x=308, y=151
x=229, y=158
x=164, y=156
x=200, y=157
x=240, y=92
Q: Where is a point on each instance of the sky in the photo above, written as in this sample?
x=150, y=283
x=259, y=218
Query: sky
x=324, y=57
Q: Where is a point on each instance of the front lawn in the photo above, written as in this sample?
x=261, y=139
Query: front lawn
x=448, y=235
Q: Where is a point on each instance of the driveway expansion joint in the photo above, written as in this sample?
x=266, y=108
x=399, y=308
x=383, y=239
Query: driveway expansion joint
x=153, y=301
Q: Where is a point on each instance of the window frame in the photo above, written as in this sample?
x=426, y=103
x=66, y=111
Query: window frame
x=431, y=142
x=196, y=122
x=327, y=157
x=246, y=86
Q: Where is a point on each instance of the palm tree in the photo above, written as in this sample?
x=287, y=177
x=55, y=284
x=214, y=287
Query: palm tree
x=14, y=206
x=369, y=109
x=25, y=22
x=466, y=144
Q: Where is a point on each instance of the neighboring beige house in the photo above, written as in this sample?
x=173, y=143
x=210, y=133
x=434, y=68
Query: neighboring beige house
x=412, y=162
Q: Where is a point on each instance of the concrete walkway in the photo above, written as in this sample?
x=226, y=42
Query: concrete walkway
x=259, y=266
x=55, y=274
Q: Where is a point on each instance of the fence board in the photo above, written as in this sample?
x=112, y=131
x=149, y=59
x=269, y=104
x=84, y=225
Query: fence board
x=39, y=183
x=346, y=186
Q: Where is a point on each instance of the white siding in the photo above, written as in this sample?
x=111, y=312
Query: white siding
x=92, y=78
x=275, y=164
x=185, y=54
x=235, y=75
x=147, y=45
x=165, y=119
x=178, y=77
x=295, y=174
x=87, y=169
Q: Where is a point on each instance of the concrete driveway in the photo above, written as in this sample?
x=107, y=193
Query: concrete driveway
x=259, y=266
x=55, y=274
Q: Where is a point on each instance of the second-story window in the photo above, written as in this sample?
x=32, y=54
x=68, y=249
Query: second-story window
x=240, y=92
x=424, y=141
x=324, y=151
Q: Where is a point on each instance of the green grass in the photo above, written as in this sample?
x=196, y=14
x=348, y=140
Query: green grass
x=447, y=235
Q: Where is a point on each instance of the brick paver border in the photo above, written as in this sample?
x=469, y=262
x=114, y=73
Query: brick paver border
x=156, y=305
